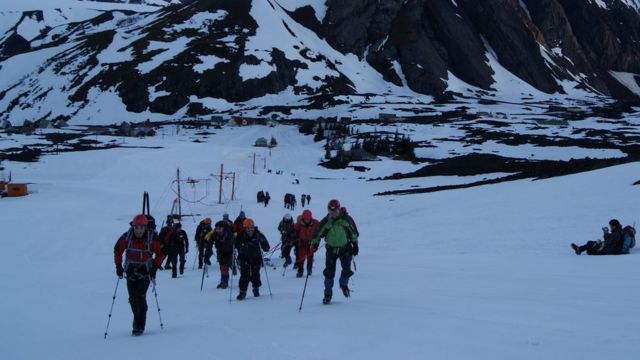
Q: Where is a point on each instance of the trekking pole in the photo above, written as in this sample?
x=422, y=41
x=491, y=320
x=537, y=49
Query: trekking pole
x=303, y=292
x=155, y=293
x=265, y=270
x=111, y=310
x=193, y=268
x=233, y=264
x=204, y=269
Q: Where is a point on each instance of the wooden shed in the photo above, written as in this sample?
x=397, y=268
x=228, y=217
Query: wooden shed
x=14, y=190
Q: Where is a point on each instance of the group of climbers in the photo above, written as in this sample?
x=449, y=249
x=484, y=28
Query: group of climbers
x=145, y=251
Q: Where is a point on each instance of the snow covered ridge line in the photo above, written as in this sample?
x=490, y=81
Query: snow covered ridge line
x=305, y=59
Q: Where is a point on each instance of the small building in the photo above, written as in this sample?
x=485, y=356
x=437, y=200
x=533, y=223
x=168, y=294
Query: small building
x=15, y=190
x=261, y=142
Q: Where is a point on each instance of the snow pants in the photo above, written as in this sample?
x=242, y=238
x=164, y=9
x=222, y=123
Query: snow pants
x=592, y=247
x=225, y=259
x=250, y=271
x=305, y=252
x=138, y=301
x=173, y=260
x=333, y=254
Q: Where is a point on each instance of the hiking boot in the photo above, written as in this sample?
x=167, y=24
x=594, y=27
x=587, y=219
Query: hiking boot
x=345, y=290
x=136, y=332
x=199, y=266
x=326, y=299
x=256, y=292
x=576, y=248
x=299, y=274
x=174, y=276
x=219, y=286
x=224, y=286
x=287, y=261
x=242, y=295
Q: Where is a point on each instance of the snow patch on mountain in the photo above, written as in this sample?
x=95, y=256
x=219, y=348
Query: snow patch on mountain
x=634, y=4
x=200, y=21
x=169, y=50
x=629, y=80
x=207, y=62
x=318, y=6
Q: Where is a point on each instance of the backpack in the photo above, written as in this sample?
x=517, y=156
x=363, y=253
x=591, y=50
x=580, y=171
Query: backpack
x=629, y=241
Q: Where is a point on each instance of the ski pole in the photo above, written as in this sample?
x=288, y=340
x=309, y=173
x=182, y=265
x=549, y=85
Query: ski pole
x=155, y=293
x=111, y=310
x=303, y=292
x=355, y=268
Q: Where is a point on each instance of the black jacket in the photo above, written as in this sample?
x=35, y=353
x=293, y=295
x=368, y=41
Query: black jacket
x=613, y=243
x=249, y=246
x=287, y=231
x=224, y=241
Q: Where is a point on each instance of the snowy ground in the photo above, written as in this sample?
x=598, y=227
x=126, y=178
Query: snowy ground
x=482, y=273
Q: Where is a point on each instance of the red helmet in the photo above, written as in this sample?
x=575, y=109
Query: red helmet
x=207, y=221
x=139, y=220
x=306, y=215
x=333, y=205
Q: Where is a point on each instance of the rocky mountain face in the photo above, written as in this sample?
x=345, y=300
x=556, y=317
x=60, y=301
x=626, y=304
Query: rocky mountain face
x=539, y=41
x=209, y=56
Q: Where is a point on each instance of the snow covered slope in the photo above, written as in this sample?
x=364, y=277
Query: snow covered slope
x=483, y=273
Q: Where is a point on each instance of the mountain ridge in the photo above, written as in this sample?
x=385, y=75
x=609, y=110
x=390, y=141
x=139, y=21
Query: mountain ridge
x=265, y=58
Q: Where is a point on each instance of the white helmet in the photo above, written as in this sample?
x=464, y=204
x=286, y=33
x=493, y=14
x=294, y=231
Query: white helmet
x=287, y=216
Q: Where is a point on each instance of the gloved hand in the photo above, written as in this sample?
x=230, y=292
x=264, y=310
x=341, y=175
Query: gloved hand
x=354, y=249
x=314, y=248
x=119, y=271
x=153, y=271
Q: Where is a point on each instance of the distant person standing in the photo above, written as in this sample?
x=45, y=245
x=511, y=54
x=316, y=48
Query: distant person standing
x=303, y=198
x=308, y=199
x=341, y=244
x=139, y=245
x=267, y=197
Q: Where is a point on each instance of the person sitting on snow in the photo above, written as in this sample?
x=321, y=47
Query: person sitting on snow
x=612, y=244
